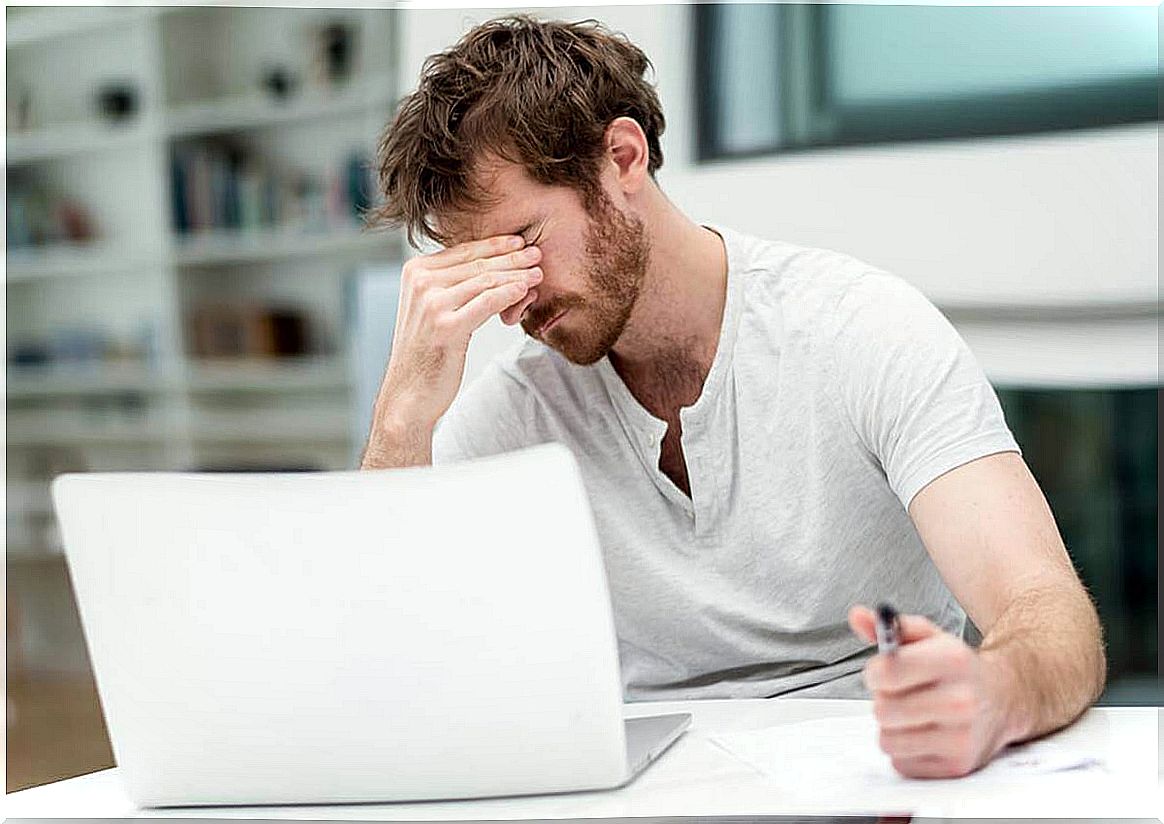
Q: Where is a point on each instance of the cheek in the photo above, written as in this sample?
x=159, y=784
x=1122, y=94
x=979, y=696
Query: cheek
x=562, y=271
x=555, y=270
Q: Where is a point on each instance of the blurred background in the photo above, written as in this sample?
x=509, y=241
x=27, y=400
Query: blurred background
x=189, y=287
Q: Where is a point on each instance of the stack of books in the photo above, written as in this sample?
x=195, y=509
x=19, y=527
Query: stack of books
x=220, y=188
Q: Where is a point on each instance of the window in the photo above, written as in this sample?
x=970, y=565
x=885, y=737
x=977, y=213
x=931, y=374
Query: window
x=781, y=77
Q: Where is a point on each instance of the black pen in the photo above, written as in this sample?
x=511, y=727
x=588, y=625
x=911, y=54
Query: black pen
x=888, y=629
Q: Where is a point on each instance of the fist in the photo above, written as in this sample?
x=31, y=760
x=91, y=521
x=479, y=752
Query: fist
x=938, y=710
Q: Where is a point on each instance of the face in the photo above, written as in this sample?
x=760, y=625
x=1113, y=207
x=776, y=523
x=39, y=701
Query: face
x=593, y=261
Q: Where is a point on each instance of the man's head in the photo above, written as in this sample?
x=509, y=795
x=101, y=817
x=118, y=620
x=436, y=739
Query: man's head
x=540, y=129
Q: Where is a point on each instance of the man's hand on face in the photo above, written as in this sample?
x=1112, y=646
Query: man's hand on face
x=940, y=712
x=444, y=298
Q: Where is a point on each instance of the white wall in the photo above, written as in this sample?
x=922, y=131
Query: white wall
x=1045, y=221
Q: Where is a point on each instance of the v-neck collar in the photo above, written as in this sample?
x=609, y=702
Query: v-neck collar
x=644, y=429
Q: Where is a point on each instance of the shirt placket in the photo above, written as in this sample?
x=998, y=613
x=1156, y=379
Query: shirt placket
x=700, y=471
x=643, y=430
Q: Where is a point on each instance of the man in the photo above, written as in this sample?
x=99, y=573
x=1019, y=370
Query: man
x=771, y=436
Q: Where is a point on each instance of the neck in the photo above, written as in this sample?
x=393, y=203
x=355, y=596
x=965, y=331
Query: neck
x=678, y=315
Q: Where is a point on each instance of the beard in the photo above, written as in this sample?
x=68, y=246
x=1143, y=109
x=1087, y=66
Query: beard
x=617, y=255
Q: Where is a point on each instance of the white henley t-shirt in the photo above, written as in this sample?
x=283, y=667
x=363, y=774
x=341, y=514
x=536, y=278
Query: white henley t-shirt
x=836, y=393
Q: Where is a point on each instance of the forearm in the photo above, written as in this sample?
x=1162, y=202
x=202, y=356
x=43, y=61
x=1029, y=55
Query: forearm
x=394, y=444
x=1046, y=656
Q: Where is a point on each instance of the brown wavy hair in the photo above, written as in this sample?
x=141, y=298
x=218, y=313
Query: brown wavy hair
x=537, y=93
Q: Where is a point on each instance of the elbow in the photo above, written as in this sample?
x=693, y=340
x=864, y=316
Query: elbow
x=1100, y=664
x=1098, y=656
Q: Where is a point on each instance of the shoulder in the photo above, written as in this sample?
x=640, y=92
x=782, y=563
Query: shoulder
x=810, y=292
x=798, y=278
x=887, y=307
x=832, y=307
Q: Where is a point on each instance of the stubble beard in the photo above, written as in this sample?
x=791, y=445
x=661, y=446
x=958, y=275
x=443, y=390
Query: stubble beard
x=618, y=254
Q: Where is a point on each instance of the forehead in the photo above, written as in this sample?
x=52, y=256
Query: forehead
x=513, y=201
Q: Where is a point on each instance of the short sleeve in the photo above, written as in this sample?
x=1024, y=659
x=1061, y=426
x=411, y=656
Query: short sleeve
x=910, y=386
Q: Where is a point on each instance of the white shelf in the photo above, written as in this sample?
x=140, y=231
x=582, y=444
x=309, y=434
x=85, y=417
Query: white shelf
x=279, y=409
x=54, y=142
x=254, y=375
x=196, y=119
x=271, y=426
x=43, y=25
x=271, y=244
x=28, y=555
x=47, y=381
x=78, y=428
x=258, y=111
x=258, y=375
x=75, y=260
x=28, y=497
x=201, y=249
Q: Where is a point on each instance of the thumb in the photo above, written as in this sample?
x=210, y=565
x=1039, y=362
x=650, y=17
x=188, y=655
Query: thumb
x=863, y=622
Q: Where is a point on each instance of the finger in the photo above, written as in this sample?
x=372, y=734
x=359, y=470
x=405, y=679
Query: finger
x=912, y=666
x=521, y=259
x=461, y=293
x=936, y=741
x=862, y=622
x=942, y=657
x=940, y=704
x=921, y=767
x=462, y=252
x=513, y=314
x=490, y=302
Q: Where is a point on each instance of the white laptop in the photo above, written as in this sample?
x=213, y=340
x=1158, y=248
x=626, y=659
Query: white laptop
x=355, y=636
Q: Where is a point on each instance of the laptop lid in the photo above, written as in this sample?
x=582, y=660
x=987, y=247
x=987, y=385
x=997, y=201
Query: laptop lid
x=359, y=636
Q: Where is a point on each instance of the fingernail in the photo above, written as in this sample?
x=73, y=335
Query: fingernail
x=535, y=274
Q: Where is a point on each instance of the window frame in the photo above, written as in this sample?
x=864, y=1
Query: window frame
x=824, y=123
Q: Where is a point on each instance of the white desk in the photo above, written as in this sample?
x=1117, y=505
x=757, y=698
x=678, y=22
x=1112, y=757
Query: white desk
x=696, y=777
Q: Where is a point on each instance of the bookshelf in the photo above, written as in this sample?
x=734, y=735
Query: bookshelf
x=185, y=185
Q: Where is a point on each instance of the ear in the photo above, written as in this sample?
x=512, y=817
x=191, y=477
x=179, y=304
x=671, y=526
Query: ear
x=626, y=146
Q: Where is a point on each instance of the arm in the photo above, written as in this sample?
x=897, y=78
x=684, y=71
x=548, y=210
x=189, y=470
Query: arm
x=945, y=709
x=923, y=407
x=392, y=444
x=992, y=536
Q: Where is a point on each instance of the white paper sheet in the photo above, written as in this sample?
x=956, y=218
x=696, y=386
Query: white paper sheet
x=843, y=752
